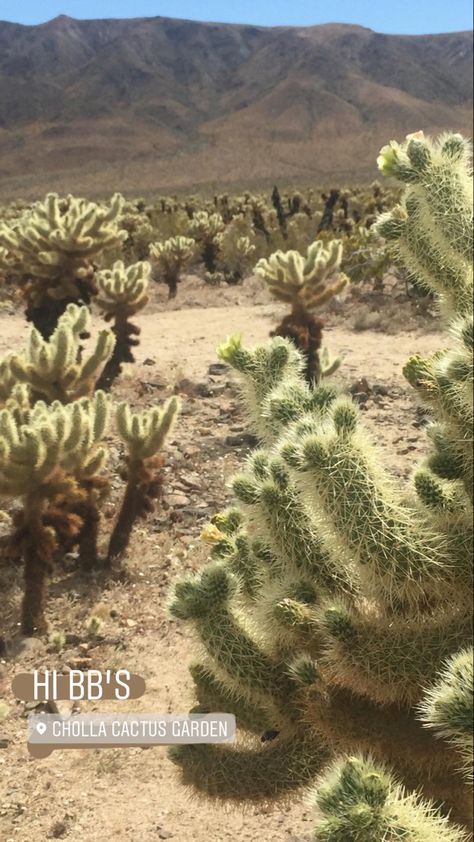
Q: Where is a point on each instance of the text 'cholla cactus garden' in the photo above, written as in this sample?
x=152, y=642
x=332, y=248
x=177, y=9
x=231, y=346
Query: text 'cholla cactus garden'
x=335, y=616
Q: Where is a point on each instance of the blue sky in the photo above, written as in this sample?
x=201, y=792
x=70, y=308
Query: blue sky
x=401, y=16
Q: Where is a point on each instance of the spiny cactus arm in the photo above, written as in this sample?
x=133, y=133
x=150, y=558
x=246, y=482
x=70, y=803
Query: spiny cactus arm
x=447, y=708
x=249, y=772
x=213, y=696
x=361, y=512
x=278, y=516
x=439, y=174
x=433, y=231
x=261, y=369
x=329, y=364
x=293, y=400
x=360, y=801
x=145, y=433
x=387, y=659
x=241, y=660
x=51, y=367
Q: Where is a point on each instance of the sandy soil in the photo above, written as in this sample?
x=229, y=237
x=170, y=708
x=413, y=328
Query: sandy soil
x=133, y=794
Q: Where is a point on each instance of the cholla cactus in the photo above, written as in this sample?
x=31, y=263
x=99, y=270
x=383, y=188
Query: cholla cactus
x=121, y=292
x=360, y=801
x=206, y=229
x=144, y=435
x=172, y=257
x=56, y=370
x=305, y=283
x=54, y=248
x=46, y=458
x=335, y=616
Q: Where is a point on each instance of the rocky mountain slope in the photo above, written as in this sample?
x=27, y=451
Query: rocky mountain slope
x=156, y=103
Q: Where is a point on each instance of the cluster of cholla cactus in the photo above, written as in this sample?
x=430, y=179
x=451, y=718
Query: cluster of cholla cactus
x=121, y=293
x=53, y=454
x=172, y=257
x=305, y=282
x=206, y=229
x=54, y=247
x=335, y=614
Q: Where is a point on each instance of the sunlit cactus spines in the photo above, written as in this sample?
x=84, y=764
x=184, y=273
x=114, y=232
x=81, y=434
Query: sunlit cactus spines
x=172, y=257
x=54, y=248
x=305, y=282
x=343, y=607
x=447, y=707
x=359, y=800
x=144, y=435
x=122, y=291
x=48, y=458
x=432, y=230
x=55, y=369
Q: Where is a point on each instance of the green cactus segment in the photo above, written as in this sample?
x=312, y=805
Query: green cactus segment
x=213, y=695
x=123, y=289
x=306, y=282
x=433, y=230
x=447, y=708
x=362, y=515
x=388, y=660
x=250, y=772
x=205, y=599
x=55, y=369
x=261, y=370
x=277, y=515
x=359, y=801
x=145, y=433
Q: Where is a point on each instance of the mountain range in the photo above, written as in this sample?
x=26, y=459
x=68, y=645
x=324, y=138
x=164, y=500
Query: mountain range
x=157, y=104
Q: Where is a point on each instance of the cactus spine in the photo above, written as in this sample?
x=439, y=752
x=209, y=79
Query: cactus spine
x=336, y=602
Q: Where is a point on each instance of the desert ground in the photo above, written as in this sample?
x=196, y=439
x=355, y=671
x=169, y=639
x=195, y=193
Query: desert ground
x=132, y=794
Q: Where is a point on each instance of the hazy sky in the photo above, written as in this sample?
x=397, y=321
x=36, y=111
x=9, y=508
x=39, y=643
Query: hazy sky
x=402, y=16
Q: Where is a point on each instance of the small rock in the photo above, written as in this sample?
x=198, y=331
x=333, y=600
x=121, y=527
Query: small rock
x=4, y=743
x=176, y=500
x=149, y=361
x=360, y=387
x=380, y=389
x=58, y=829
x=360, y=398
x=217, y=369
x=165, y=834
x=243, y=438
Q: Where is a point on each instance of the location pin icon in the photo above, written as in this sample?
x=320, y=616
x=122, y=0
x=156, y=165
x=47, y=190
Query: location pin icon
x=41, y=728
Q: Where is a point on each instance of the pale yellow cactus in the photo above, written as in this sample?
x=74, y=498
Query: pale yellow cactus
x=122, y=290
x=54, y=248
x=145, y=432
x=304, y=281
x=172, y=256
x=55, y=369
